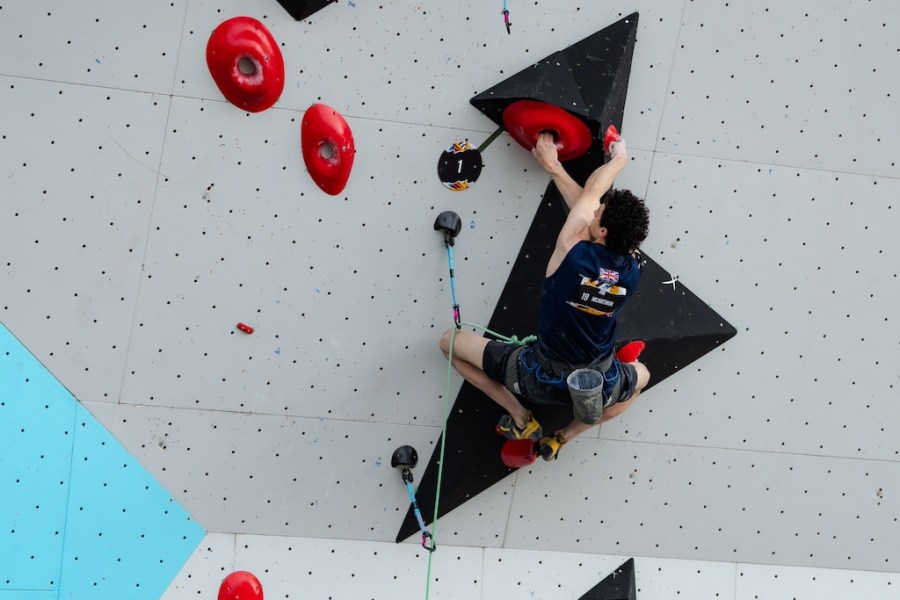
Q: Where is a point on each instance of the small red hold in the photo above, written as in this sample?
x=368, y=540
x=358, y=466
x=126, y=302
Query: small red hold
x=246, y=63
x=245, y=328
x=612, y=135
x=327, y=146
x=241, y=585
x=630, y=351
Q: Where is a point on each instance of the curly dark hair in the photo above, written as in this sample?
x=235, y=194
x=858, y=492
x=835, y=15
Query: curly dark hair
x=627, y=221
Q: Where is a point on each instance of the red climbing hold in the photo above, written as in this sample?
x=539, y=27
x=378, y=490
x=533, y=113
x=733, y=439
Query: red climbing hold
x=245, y=328
x=526, y=119
x=518, y=453
x=241, y=585
x=612, y=135
x=630, y=352
x=327, y=145
x=246, y=63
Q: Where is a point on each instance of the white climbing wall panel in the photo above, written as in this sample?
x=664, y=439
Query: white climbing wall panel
x=144, y=217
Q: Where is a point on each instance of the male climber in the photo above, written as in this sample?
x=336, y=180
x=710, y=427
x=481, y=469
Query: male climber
x=593, y=271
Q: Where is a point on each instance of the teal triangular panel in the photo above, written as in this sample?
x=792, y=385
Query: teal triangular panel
x=124, y=532
x=87, y=520
x=37, y=416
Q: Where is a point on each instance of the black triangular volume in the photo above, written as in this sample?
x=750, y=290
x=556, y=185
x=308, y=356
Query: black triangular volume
x=300, y=9
x=618, y=585
x=677, y=326
x=589, y=79
x=550, y=80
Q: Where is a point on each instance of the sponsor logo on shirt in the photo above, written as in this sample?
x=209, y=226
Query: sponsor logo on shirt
x=601, y=296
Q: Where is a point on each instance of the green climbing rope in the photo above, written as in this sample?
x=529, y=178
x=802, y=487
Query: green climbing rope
x=437, y=494
x=510, y=339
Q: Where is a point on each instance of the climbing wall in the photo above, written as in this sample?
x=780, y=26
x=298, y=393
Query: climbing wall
x=145, y=217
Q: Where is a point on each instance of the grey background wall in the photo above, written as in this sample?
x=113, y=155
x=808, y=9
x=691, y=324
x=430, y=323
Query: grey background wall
x=144, y=217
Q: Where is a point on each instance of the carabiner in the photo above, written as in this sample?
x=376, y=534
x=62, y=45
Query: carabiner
x=425, y=537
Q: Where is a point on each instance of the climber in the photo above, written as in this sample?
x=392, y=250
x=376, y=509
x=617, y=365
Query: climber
x=593, y=271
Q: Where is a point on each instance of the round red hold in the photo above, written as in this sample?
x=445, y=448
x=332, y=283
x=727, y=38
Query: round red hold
x=526, y=119
x=518, y=453
x=245, y=328
x=246, y=63
x=241, y=585
x=327, y=146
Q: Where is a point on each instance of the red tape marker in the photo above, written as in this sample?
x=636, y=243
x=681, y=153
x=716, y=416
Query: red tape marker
x=245, y=328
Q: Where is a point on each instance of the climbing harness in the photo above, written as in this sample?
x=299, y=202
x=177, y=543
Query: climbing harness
x=407, y=458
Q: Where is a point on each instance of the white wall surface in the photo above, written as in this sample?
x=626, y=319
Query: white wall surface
x=145, y=216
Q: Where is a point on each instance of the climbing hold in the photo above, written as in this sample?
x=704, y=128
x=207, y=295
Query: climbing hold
x=612, y=135
x=245, y=328
x=405, y=456
x=518, y=453
x=630, y=351
x=327, y=145
x=241, y=585
x=526, y=119
x=246, y=63
x=450, y=223
x=589, y=79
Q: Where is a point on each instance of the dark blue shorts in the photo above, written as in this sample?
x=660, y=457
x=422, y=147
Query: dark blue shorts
x=535, y=387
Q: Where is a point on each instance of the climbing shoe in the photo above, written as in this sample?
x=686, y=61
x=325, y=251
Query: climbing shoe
x=548, y=447
x=508, y=429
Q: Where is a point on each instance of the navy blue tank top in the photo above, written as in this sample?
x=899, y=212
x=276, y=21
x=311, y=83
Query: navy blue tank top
x=580, y=300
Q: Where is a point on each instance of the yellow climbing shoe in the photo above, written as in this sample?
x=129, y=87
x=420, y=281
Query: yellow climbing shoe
x=508, y=429
x=548, y=447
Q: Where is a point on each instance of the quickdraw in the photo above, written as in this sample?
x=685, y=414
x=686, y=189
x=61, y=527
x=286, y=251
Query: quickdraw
x=407, y=458
x=505, y=14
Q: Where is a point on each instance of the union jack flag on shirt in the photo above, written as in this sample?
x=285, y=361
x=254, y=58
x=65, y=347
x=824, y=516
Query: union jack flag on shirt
x=609, y=276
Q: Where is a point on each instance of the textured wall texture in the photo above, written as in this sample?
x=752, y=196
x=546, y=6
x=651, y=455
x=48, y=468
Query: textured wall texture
x=144, y=217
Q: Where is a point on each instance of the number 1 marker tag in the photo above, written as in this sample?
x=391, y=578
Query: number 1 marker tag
x=459, y=166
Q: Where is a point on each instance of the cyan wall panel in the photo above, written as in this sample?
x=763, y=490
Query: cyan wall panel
x=37, y=418
x=83, y=518
x=125, y=533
